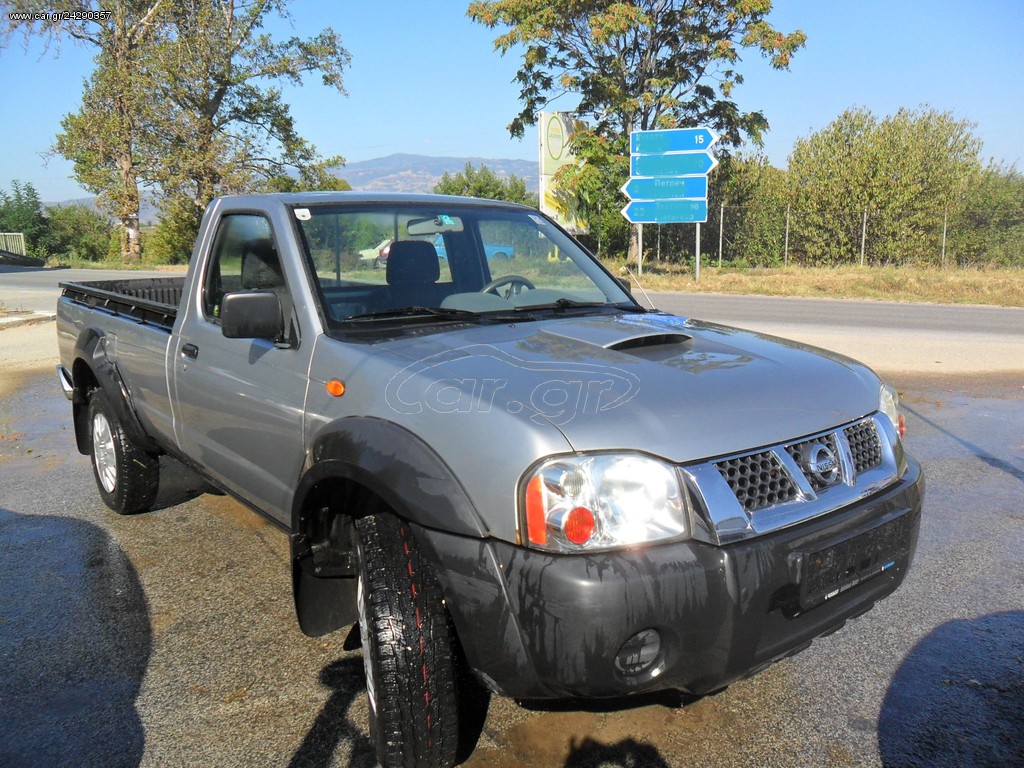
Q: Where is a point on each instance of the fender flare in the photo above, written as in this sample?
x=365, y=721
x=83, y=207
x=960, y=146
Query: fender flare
x=395, y=469
x=91, y=350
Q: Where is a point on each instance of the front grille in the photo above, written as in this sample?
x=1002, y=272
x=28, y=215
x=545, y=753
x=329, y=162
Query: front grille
x=745, y=495
x=865, y=445
x=758, y=480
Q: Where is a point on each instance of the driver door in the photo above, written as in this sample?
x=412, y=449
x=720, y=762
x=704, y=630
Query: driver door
x=239, y=402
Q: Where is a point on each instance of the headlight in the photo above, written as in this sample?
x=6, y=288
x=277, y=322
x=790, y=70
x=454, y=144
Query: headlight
x=586, y=503
x=889, y=404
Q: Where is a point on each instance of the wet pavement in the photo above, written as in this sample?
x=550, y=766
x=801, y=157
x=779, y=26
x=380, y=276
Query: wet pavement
x=169, y=638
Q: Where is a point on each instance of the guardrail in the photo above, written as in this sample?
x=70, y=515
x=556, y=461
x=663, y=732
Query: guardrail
x=13, y=242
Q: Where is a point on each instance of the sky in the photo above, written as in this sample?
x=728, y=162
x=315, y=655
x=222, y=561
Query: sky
x=424, y=79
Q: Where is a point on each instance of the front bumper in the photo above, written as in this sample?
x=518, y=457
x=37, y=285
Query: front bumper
x=535, y=625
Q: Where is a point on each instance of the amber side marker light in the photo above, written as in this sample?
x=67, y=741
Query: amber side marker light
x=335, y=387
x=536, y=516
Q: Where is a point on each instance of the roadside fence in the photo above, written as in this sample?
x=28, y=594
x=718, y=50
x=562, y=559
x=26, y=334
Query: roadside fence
x=766, y=237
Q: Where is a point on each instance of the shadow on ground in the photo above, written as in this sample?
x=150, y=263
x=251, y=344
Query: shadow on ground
x=958, y=697
x=75, y=641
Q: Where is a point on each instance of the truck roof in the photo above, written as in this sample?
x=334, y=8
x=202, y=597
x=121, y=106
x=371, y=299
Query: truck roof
x=313, y=198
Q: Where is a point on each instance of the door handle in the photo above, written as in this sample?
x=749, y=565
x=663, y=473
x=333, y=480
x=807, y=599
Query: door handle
x=190, y=350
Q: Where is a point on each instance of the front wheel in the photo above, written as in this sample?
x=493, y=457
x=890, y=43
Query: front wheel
x=408, y=649
x=127, y=477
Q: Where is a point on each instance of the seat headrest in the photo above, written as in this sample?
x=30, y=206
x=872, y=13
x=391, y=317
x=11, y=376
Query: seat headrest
x=412, y=262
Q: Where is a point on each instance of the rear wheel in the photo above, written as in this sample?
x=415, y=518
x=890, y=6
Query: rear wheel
x=127, y=477
x=408, y=649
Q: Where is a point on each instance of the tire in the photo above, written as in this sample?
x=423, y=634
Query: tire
x=127, y=477
x=408, y=649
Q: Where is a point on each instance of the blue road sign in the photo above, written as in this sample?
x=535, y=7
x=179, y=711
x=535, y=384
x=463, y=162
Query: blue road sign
x=671, y=140
x=686, y=164
x=666, y=188
x=666, y=211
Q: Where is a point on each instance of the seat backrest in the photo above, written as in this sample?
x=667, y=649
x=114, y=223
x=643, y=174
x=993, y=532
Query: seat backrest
x=412, y=273
x=412, y=262
x=261, y=267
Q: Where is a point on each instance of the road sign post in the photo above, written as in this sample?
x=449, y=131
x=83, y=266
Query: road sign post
x=669, y=179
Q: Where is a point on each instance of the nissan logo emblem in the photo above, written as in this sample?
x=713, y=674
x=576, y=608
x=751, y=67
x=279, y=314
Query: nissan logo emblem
x=821, y=463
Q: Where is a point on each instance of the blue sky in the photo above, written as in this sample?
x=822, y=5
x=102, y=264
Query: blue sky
x=426, y=80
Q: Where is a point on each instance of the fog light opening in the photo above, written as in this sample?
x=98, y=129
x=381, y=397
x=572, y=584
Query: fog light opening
x=638, y=654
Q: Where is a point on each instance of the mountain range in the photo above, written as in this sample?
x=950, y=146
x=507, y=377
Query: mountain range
x=394, y=173
x=419, y=173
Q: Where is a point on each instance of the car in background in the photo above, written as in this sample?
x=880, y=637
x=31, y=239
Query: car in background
x=493, y=252
x=377, y=257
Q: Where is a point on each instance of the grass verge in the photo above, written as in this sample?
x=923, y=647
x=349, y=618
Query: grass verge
x=996, y=286
x=1000, y=287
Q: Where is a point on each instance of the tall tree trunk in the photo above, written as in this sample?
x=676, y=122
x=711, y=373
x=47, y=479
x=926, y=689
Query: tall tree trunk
x=127, y=174
x=634, y=245
x=128, y=207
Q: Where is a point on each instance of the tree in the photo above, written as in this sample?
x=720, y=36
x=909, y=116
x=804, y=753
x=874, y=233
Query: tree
x=754, y=194
x=101, y=138
x=219, y=126
x=881, y=184
x=21, y=211
x=78, y=232
x=483, y=182
x=641, y=65
x=180, y=100
x=990, y=229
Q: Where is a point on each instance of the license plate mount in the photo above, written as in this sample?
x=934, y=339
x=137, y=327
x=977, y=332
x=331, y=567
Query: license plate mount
x=841, y=566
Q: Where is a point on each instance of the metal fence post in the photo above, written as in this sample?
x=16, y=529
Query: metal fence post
x=696, y=274
x=640, y=252
x=785, y=252
x=945, y=222
x=721, y=224
x=863, y=236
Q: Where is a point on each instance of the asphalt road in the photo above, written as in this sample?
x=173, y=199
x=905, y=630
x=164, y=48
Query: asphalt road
x=36, y=290
x=169, y=638
x=889, y=336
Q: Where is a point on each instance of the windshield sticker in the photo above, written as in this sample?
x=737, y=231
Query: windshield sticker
x=303, y=214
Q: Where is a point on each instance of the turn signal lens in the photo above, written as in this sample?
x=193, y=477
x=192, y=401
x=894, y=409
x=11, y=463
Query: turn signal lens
x=536, y=522
x=335, y=387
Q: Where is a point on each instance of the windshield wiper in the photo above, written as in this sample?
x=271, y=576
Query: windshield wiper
x=411, y=312
x=564, y=303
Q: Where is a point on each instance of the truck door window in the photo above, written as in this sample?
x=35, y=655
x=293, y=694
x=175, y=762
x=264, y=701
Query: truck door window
x=244, y=258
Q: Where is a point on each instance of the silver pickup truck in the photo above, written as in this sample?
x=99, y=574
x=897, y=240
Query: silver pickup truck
x=506, y=472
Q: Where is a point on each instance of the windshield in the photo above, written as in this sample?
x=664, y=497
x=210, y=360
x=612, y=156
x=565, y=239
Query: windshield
x=381, y=262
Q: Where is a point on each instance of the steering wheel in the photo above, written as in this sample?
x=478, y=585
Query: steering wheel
x=510, y=280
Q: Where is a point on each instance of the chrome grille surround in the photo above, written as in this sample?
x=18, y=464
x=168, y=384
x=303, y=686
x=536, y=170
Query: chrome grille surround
x=745, y=495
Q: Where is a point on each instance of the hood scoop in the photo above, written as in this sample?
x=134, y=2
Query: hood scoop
x=652, y=345
x=650, y=337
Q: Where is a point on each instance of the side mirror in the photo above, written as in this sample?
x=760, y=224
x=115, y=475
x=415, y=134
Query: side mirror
x=625, y=284
x=251, y=315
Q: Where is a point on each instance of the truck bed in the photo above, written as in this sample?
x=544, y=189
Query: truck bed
x=153, y=301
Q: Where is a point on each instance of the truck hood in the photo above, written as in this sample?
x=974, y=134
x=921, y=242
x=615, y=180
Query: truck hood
x=677, y=388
